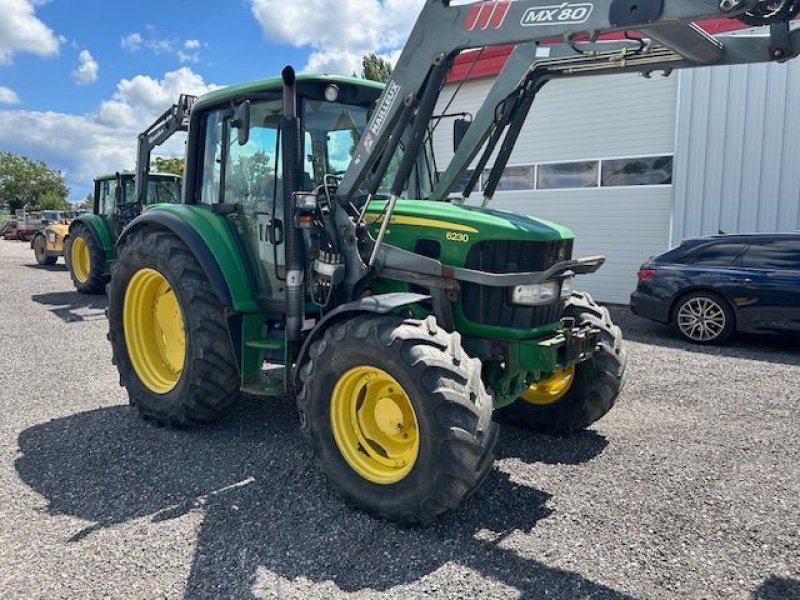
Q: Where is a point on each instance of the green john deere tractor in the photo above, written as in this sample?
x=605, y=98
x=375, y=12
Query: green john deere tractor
x=318, y=233
x=89, y=249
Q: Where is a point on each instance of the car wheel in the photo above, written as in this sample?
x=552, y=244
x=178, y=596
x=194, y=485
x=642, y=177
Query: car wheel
x=704, y=318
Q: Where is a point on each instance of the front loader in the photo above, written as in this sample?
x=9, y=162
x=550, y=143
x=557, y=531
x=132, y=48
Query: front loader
x=316, y=233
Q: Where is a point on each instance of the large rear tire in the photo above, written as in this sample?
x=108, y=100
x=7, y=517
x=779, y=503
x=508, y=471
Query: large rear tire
x=397, y=416
x=40, y=251
x=86, y=261
x=573, y=400
x=169, y=334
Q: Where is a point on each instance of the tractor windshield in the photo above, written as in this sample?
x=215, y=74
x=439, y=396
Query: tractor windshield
x=159, y=191
x=332, y=133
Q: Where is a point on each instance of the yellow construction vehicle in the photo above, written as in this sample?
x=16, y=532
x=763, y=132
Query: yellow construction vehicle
x=48, y=243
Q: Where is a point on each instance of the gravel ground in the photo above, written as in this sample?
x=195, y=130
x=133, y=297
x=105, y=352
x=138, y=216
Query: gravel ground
x=690, y=488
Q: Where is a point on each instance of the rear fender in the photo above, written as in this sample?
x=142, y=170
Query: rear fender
x=212, y=242
x=102, y=233
x=379, y=305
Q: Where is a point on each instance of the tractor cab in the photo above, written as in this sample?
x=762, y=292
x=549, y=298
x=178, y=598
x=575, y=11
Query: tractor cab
x=235, y=163
x=115, y=198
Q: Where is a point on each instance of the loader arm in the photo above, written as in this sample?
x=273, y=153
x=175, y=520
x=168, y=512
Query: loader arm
x=172, y=121
x=508, y=103
x=443, y=31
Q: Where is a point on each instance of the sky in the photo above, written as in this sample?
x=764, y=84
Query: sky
x=80, y=79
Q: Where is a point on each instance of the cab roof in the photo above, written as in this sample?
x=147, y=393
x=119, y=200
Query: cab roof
x=110, y=176
x=275, y=84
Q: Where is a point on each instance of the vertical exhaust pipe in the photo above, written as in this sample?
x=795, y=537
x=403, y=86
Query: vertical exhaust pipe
x=295, y=251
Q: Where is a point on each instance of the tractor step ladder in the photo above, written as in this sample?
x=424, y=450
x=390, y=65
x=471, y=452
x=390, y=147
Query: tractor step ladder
x=267, y=383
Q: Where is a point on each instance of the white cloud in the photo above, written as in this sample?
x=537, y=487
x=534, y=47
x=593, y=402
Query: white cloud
x=338, y=33
x=84, y=146
x=87, y=70
x=8, y=96
x=187, y=51
x=22, y=31
x=132, y=42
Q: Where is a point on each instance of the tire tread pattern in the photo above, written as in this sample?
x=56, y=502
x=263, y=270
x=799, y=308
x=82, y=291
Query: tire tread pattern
x=454, y=395
x=209, y=386
x=598, y=381
x=96, y=284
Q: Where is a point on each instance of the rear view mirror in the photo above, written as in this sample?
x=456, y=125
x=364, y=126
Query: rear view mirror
x=241, y=121
x=460, y=128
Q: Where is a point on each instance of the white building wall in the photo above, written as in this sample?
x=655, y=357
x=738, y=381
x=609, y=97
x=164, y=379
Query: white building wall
x=738, y=151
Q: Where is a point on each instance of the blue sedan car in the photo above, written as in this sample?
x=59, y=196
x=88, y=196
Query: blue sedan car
x=708, y=288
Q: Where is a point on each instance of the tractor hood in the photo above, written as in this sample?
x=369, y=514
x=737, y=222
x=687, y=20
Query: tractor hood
x=462, y=224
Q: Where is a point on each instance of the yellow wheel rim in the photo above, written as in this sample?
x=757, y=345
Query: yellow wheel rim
x=374, y=425
x=80, y=260
x=154, y=333
x=551, y=390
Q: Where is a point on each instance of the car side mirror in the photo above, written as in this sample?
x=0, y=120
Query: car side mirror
x=241, y=121
x=460, y=128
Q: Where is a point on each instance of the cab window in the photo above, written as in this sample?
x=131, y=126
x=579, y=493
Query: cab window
x=248, y=175
x=108, y=197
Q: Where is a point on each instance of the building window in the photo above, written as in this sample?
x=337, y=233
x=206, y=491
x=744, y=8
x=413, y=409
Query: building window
x=516, y=178
x=654, y=170
x=569, y=175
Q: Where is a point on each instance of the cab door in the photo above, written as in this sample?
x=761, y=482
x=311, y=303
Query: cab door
x=245, y=181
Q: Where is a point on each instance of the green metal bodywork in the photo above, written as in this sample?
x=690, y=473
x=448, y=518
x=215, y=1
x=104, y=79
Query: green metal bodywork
x=217, y=234
x=99, y=225
x=274, y=84
x=532, y=353
x=457, y=229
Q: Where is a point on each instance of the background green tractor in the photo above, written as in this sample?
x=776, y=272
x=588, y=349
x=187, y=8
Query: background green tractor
x=89, y=249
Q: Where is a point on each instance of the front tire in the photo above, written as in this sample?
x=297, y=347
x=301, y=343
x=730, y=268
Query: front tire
x=40, y=252
x=169, y=334
x=86, y=261
x=574, y=399
x=397, y=416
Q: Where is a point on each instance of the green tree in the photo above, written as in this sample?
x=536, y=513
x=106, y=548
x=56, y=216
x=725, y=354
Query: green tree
x=51, y=201
x=376, y=68
x=28, y=182
x=168, y=165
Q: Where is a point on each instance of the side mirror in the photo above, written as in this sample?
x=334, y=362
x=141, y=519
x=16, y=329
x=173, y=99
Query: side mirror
x=241, y=121
x=460, y=128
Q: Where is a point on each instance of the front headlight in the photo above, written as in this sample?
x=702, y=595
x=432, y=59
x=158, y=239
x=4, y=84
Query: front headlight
x=533, y=295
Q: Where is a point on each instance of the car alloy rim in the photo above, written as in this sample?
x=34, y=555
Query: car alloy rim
x=551, y=390
x=154, y=331
x=374, y=425
x=701, y=319
x=80, y=259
